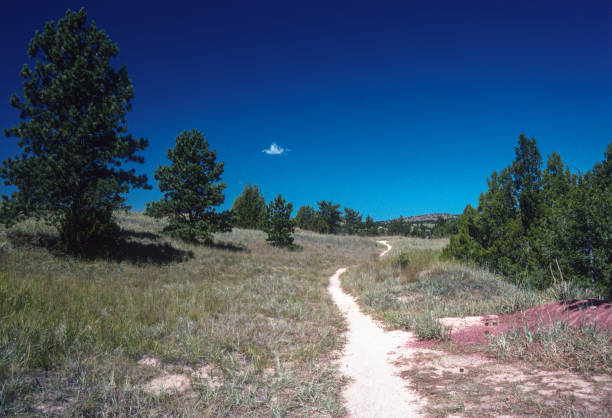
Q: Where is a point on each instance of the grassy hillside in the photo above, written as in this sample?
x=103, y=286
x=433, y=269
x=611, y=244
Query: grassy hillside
x=257, y=318
x=411, y=288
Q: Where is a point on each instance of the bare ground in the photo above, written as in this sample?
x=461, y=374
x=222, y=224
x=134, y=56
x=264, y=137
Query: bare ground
x=473, y=385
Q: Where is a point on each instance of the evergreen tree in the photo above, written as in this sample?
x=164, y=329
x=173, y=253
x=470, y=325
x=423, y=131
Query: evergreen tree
x=396, y=226
x=446, y=227
x=280, y=225
x=73, y=136
x=306, y=217
x=352, y=221
x=440, y=223
x=498, y=228
x=600, y=203
x=329, y=214
x=370, y=227
x=463, y=246
x=192, y=189
x=526, y=170
x=528, y=221
x=556, y=181
x=319, y=225
x=578, y=234
x=249, y=209
x=551, y=238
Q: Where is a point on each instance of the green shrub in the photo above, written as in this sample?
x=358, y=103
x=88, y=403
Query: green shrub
x=427, y=327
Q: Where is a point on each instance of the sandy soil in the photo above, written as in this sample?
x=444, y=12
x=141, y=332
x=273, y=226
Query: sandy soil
x=179, y=382
x=474, y=385
x=375, y=388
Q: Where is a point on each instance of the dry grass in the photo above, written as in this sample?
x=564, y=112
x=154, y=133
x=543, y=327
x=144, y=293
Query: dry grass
x=72, y=331
x=582, y=348
x=402, y=245
x=411, y=289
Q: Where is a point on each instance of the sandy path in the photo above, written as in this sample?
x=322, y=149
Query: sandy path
x=376, y=389
x=388, y=247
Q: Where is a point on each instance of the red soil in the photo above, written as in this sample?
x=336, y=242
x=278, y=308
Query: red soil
x=589, y=311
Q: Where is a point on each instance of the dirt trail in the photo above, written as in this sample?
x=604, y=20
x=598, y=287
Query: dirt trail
x=376, y=389
x=388, y=247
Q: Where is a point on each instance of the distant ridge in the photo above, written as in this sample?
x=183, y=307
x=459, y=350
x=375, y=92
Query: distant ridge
x=428, y=219
x=431, y=217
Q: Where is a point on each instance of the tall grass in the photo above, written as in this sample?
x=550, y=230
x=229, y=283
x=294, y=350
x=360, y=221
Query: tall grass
x=582, y=348
x=72, y=331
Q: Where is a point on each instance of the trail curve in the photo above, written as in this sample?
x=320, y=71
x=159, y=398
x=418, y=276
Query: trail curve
x=383, y=242
x=375, y=389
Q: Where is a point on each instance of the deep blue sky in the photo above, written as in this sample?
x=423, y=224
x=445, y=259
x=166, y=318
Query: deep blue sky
x=387, y=108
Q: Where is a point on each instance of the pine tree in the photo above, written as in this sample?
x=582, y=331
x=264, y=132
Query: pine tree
x=529, y=221
x=550, y=240
x=73, y=136
x=526, y=170
x=192, y=188
x=370, y=226
x=463, y=246
x=601, y=204
x=446, y=227
x=556, y=181
x=396, y=226
x=330, y=215
x=280, y=225
x=306, y=217
x=581, y=235
x=249, y=209
x=498, y=228
x=352, y=221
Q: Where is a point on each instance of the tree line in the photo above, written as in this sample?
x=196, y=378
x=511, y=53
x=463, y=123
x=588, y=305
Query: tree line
x=249, y=211
x=542, y=225
x=421, y=229
x=329, y=219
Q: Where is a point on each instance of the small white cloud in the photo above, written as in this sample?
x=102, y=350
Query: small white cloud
x=275, y=149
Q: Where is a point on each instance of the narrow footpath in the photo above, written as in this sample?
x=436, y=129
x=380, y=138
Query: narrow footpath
x=375, y=389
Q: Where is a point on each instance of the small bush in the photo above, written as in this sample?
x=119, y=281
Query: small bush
x=402, y=261
x=410, y=263
x=427, y=327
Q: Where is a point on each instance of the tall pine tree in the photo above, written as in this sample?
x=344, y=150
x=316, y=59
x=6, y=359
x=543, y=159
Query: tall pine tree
x=352, y=221
x=306, y=217
x=73, y=136
x=526, y=170
x=192, y=189
x=329, y=217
